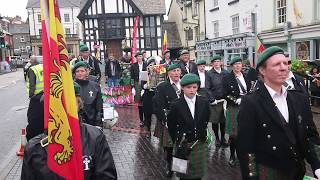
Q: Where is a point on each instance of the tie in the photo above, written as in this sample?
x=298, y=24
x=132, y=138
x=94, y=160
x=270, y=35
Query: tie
x=241, y=86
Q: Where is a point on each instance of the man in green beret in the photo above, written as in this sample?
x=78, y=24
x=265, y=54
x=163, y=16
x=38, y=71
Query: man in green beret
x=216, y=96
x=185, y=64
x=276, y=129
x=166, y=93
x=236, y=85
x=166, y=60
x=187, y=123
x=90, y=94
x=204, y=77
x=90, y=60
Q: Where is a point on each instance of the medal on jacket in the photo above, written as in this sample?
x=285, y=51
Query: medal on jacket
x=90, y=92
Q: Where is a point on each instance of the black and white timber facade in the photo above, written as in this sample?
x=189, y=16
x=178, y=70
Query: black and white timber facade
x=109, y=24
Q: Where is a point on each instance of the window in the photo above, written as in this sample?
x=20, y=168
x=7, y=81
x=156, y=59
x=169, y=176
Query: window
x=40, y=32
x=39, y=18
x=150, y=32
x=111, y=28
x=197, y=31
x=66, y=18
x=317, y=10
x=281, y=11
x=195, y=9
x=189, y=34
x=22, y=39
x=235, y=24
x=68, y=31
x=215, y=3
x=216, y=29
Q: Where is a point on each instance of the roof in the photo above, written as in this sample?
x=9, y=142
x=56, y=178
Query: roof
x=146, y=7
x=19, y=28
x=62, y=3
x=174, y=40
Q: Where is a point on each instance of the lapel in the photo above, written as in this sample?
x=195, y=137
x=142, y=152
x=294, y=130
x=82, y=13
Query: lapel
x=186, y=112
x=198, y=110
x=172, y=92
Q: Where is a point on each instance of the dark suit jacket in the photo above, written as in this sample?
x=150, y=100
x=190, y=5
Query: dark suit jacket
x=216, y=84
x=117, y=69
x=262, y=138
x=192, y=67
x=134, y=70
x=165, y=95
x=231, y=88
x=180, y=120
x=207, y=81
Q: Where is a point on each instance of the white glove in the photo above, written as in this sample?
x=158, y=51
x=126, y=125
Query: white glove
x=133, y=91
x=238, y=101
x=145, y=86
x=214, y=102
x=317, y=172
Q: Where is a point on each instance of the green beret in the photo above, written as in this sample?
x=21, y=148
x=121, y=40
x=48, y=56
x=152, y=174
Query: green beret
x=172, y=67
x=83, y=48
x=266, y=54
x=166, y=51
x=77, y=88
x=138, y=53
x=215, y=57
x=184, y=51
x=151, y=59
x=235, y=59
x=189, y=79
x=79, y=64
x=143, y=51
x=201, y=62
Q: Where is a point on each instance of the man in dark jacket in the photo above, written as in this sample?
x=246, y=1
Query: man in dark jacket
x=204, y=78
x=276, y=129
x=97, y=158
x=113, y=71
x=90, y=94
x=185, y=64
x=166, y=60
x=90, y=60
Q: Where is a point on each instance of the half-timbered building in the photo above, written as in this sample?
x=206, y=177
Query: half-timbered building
x=109, y=24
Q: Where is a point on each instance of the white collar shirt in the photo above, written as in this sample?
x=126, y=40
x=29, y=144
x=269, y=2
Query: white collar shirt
x=280, y=101
x=243, y=82
x=218, y=70
x=140, y=66
x=202, y=77
x=176, y=83
x=191, y=104
x=289, y=82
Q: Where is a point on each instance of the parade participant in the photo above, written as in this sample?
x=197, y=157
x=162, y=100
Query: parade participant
x=166, y=60
x=204, y=78
x=217, y=118
x=294, y=81
x=144, y=56
x=187, y=123
x=135, y=69
x=276, y=130
x=113, y=71
x=90, y=94
x=185, y=64
x=166, y=93
x=34, y=82
x=235, y=86
x=97, y=158
x=147, y=97
x=90, y=60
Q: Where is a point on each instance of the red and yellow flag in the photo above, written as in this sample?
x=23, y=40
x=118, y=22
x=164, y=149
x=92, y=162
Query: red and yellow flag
x=61, y=117
x=259, y=46
x=165, y=41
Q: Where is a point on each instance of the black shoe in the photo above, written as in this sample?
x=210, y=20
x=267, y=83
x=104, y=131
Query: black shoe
x=232, y=162
x=218, y=143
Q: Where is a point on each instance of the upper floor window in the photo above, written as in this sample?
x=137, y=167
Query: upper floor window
x=39, y=18
x=216, y=29
x=189, y=34
x=196, y=9
x=281, y=8
x=68, y=31
x=235, y=24
x=66, y=18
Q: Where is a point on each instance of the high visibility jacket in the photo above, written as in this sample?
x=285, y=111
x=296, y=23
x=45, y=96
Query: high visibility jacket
x=38, y=72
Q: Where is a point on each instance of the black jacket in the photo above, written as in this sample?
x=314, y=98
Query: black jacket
x=92, y=99
x=216, y=84
x=163, y=61
x=116, y=66
x=300, y=85
x=134, y=70
x=192, y=67
x=207, y=81
x=231, y=88
x=180, y=120
x=94, y=66
x=263, y=138
x=95, y=148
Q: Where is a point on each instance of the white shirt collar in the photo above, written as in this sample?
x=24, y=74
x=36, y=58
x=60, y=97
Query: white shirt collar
x=199, y=72
x=291, y=75
x=193, y=100
x=217, y=70
x=176, y=83
x=273, y=93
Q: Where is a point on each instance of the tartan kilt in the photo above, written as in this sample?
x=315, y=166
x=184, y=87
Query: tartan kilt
x=268, y=173
x=232, y=120
x=137, y=97
x=198, y=161
x=162, y=133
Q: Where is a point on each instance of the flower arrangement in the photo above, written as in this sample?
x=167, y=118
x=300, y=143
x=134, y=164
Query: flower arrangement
x=300, y=67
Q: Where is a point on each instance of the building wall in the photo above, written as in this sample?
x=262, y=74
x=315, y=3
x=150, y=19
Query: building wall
x=176, y=15
x=18, y=44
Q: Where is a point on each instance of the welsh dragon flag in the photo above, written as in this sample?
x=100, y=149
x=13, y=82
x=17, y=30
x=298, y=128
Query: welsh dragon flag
x=61, y=117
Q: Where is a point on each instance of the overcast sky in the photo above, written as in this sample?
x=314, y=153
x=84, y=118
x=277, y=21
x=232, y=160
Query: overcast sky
x=18, y=7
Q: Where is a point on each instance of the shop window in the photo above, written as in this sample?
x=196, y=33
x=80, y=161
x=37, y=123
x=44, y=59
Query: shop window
x=281, y=9
x=216, y=29
x=303, y=50
x=66, y=18
x=235, y=24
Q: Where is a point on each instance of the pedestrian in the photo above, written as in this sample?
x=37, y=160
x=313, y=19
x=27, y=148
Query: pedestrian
x=90, y=94
x=187, y=123
x=97, y=157
x=113, y=71
x=135, y=70
x=185, y=64
x=294, y=81
x=34, y=82
x=144, y=56
x=166, y=60
x=204, y=78
x=90, y=60
x=314, y=86
x=236, y=85
x=216, y=99
x=166, y=93
x=276, y=129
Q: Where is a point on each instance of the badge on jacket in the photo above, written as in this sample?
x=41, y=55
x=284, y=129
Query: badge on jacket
x=91, y=93
x=86, y=161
